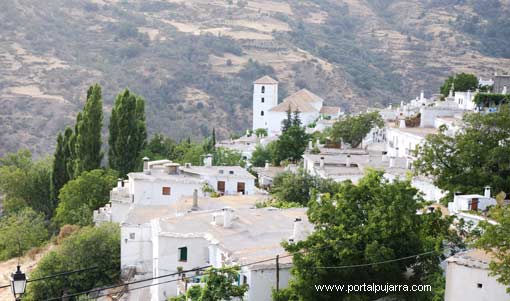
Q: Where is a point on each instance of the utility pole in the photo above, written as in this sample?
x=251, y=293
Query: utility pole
x=277, y=272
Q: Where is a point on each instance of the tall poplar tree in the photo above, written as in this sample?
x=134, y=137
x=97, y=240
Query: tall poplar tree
x=127, y=132
x=59, y=175
x=88, y=132
x=69, y=151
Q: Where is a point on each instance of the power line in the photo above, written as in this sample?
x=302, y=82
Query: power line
x=243, y=265
x=128, y=283
x=374, y=263
x=55, y=275
x=162, y=276
x=340, y=267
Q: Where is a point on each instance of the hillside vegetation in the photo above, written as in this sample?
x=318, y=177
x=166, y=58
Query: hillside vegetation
x=194, y=61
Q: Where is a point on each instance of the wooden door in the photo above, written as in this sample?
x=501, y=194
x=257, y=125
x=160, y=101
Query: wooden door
x=221, y=187
x=474, y=204
x=241, y=187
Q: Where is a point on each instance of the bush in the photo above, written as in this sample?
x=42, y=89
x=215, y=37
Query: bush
x=89, y=247
x=81, y=196
x=26, y=227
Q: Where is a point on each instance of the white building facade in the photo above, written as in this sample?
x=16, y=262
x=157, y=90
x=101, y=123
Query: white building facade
x=468, y=278
x=269, y=114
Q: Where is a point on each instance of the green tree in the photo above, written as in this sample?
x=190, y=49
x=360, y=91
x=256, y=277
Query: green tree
x=495, y=240
x=26, y=183
x=298, y=187
x=260, y=155
x=293, y=141
x=461, y=82
x=69, y=153
x=25, y=227
x=370, y=222
x=352, y=129
x=88, y=247
x=159, y=147
x=261, y=133
x=128, y=132
x=477, y=156
x=81, y=196
x=88, y=134
x=59, y=175
x=219, y=284
x=227, y=157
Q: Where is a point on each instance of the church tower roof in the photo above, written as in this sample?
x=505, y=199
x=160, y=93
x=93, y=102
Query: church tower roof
x=266, y=80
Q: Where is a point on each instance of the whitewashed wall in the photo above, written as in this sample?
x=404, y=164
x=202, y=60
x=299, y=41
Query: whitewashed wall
x=150, y=192
x=270, y=100
x=462, y=284
x=136, y=252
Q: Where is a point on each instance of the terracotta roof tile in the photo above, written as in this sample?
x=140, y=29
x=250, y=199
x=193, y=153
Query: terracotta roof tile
x=330, y=110
x=301, y=101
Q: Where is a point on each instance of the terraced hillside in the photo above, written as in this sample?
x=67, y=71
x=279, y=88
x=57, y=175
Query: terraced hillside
x=194, y=61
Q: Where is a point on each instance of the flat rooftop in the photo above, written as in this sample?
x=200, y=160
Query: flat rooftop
x=255, y=234
x=475, y=258
x=145, y=213
x=417, y=131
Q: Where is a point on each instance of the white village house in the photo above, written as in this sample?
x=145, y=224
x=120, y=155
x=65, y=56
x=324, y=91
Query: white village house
x=136, y=232
x=164, y=182
x=268, y=113
x=226, y=237
x=471, y=202
x=468, y=279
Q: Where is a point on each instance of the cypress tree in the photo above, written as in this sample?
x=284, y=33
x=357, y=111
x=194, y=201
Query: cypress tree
x=69, y=151
x=213, y=138
x=287, y=122
x=127, y=132
x=88, y=132
x=59, y=175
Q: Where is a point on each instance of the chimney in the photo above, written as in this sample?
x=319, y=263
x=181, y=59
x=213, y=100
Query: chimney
x=119, y=183
x=402, y=124
x=487, y=192
x=392, y=162
x=208, y=160
x=146, y=169
x=297, y=233
x=390, y=106
x=348, y=160
x=422, y=96
x=195, y=200
x=227, y=217
x=172, y=168
x=266, y=166
x=321, y=162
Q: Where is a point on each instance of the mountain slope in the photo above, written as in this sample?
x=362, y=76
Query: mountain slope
x=194, y=61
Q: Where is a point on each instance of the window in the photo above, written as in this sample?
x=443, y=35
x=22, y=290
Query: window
x=183, y=254
x=131, y=235
x=245, y=279
x=165, y=190
x=262, y=100
x=479, y=285
x=263, y=89
x=261, y=113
